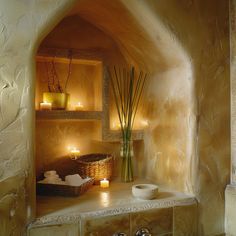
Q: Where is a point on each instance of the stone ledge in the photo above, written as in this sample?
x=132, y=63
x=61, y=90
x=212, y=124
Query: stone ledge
x=97, y=202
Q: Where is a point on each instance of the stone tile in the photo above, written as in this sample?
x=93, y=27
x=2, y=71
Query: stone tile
x=158, y=221
x=185, y=220
x=12, y=206
x=230, y=213
x=106, y=226
x=57, y=230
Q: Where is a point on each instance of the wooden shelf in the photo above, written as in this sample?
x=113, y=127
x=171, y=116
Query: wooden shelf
x=70, y=115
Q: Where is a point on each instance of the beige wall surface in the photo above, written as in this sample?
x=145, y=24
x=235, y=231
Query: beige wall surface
x=23, y=24
x=185, y=46
x=203, y=30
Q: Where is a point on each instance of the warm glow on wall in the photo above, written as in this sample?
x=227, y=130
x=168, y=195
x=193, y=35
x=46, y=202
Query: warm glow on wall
x=139, y=124
x=45, y=105
x=79, y=106
x=144, y=123
x=74, y=152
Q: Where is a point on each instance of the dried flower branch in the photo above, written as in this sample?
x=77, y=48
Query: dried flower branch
x=53, y=80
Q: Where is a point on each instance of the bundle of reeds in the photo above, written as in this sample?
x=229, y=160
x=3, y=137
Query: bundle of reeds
x=127, y=86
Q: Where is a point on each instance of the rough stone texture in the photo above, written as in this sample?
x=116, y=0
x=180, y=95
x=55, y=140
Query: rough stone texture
x=233, y=87
x=13, y=206
x=105, y=225
x=59, y=230
x=158, y=221
x=230, y=214
x=22, y=25
x=230, y=192
x=186, y=42
x=202, y=30
x=185, y=220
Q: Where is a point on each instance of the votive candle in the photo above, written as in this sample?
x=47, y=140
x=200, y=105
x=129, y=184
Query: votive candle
x=45, y=106
x=79, y=106
x=104, y=183
x=74, y=153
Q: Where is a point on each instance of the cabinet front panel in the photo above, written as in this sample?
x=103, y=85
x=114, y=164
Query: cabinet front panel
x=106, y=226
x=158, y=221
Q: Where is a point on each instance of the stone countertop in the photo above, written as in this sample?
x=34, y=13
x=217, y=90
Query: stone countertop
x=98, y=202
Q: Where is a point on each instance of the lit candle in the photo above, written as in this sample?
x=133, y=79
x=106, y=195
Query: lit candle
x=104, y=183
x=74, y=153
x=45, y=106
x=144, y=123
x=79, y=106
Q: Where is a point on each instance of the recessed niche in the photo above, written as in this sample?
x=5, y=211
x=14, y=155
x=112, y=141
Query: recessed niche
x=84, y=83
x=87, y=129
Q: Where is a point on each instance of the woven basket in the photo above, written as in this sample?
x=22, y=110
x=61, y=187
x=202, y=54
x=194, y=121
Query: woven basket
x=63, y=190
x=97, y=166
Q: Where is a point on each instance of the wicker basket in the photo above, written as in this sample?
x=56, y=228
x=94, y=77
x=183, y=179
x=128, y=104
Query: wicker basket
x=97, y=166
x=63, y=190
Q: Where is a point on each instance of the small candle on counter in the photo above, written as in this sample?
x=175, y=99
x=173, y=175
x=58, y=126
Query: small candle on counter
x=104, y=183
x=45, y=106
x=79, y=106
x=74, y=153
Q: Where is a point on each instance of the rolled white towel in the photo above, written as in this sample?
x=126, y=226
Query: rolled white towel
x=74, y=180
x=50, y=173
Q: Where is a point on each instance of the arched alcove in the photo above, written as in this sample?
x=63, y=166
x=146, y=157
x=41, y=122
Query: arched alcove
x=101, y=36
x=203, y=148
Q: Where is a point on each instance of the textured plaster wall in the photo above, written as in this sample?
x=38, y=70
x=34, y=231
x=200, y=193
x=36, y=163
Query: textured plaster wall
x=73, y=32
x=203, y=30
x=233, y=87
x=147, y=42
x=185, y=44
x=22, y=25
x=230, y=196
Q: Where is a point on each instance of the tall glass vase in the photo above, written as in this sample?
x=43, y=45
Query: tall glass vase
x=127, y=154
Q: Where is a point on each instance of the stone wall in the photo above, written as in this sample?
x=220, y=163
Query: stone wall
x=184, y=44
x=22, y=24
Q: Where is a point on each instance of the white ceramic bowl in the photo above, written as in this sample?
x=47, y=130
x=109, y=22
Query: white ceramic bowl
x=145, y=191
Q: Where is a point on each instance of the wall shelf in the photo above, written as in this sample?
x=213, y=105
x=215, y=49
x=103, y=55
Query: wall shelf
x=102, y=92
x=68, y=115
